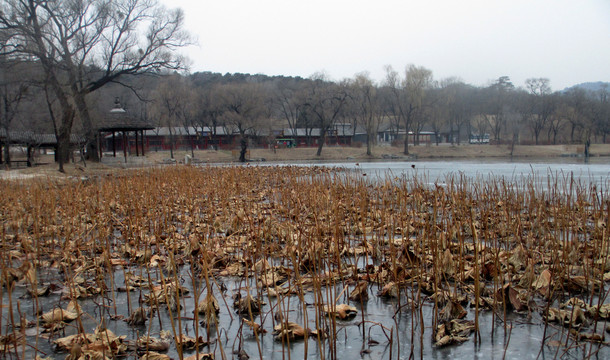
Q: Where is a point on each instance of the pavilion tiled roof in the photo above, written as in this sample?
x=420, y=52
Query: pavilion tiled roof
x=119, y=120
x=36, y=139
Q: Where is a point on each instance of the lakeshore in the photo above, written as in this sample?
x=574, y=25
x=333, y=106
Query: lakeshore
x=46, y=167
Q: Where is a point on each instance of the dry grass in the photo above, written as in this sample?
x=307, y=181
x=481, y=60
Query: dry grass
x=334, y=153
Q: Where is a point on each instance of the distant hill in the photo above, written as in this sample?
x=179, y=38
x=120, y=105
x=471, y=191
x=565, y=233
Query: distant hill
x=590, y=86
x=206, y=78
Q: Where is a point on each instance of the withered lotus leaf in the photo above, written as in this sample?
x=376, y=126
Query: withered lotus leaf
x=209, y=304
x=519, y=257
x=543, y=282
x=581, y=284
x=573, y=318
x=209, y=308
x=271, y=277
x=151, y=355
x=190, y=342
x=342, y=311
x=277, y=291
x=57, y=315
x=68, y=342
x=452, y=310
x=40, y=291
x=206, y=356
x=11, y=340
x=261, y=266
x=256, y=328
x=516, y=300
x=247, y=305
x=360, y=292
x=601, y=311
x=591, y=336
x=290, y=331
x=138, y=317
x=235, y=269
x=453, y=332
x=390, y=290
x=145, y=343
x=528, y=277
x=447, y=263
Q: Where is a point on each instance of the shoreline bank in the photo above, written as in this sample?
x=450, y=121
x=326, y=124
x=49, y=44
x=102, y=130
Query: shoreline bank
x=330, y=154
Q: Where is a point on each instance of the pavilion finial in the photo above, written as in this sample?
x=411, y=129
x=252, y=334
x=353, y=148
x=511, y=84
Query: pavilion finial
x=117, y=106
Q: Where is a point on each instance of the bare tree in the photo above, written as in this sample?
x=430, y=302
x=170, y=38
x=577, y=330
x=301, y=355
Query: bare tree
x=418, y=80
x=324, y=102
x=600, y=114
x=498, y=105
x=82, y=45
x=396, y=103
x=576, y=109
x=211, y=109
x=365, y=98
x=541, y=105
x=288, y=101
x=12, y=91
x=438, y=114
x=244, y=109
x=167, y=107
x=458, y=100
x=558, y=120
x=189, y=108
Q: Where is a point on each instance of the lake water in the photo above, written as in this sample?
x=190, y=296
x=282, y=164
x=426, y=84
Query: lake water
x=596, y=171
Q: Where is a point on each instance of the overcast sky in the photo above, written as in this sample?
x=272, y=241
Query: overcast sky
x=566, y=41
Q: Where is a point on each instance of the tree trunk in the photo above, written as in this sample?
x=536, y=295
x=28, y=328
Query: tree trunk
x=171, y=143
x=7, y=153
x=90, y=136
x=321, y=141
x=63, y=145
x=244, y=147
x=512, y=145
x=368, y=145
x=192, y=148
x=407, y=123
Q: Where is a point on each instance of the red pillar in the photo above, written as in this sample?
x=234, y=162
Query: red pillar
x=113, y=144
x=137, y=147
x=124, y=146
x=99, y=144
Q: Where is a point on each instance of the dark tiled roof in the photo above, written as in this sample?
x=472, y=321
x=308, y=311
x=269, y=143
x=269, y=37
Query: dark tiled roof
x=123, y=122
x=37, y=139
x=118, y=119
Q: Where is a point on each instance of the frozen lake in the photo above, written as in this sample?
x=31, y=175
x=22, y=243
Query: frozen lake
x=596, y=171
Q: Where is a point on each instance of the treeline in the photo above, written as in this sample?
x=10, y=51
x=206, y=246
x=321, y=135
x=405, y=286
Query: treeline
x=408, y=101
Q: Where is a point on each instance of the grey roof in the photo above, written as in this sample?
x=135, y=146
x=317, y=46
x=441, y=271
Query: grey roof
x=302, y=132
x=181, y=130
x=37, y=139
x=342, y=130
